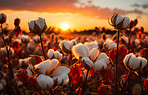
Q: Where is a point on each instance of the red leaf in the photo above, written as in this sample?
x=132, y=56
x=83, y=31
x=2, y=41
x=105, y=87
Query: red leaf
x=75, y=73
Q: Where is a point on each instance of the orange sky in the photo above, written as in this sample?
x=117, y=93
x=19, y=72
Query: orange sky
x=78, y=14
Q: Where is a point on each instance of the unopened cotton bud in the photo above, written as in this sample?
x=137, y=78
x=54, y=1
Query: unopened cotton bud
x=2, y=18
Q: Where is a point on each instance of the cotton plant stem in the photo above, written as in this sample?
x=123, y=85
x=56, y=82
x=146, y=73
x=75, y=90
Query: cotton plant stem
x=116, y=66
x=42, y=47
x=128, y=77
x=129, y=40
x=9, y=64
x=82, y=93
x=70, y=59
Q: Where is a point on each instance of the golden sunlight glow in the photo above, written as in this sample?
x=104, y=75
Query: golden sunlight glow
x=64, y=26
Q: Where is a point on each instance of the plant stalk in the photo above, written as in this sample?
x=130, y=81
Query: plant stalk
x=82, y=93
x=128, y=77
x=116, y=66
x=9, y=64
x=129, y=40
x=42, y=47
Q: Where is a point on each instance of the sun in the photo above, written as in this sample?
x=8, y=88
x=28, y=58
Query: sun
x=64, y=26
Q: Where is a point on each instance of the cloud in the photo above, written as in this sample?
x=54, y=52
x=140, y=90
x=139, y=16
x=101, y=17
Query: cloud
x=144, y=6
x=64, y=6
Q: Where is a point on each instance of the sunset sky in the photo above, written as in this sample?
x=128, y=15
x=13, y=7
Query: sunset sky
x=78, y=14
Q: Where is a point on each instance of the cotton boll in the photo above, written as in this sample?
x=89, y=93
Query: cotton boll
x=66, y=80
x=45, y=82
x=53, y=64
x=144, y=62
x=134, y=62
x=42, y=67
x=80, y=50
x=107, y=42
x=137, y=42
x=86, y=62
x=102, y=56
x=119, y=19
x=4, y=50
x=65, y=46
x=37, y=26
x=126, y=59
x=50, y=53
x=61, y=79
x=60, y=56
x=73, y=42
x=112, y=45
x=120, y=22
x=61, y=70
x=126, y=22
x=99, y=65
x=93, y=54
x=56, y=54
x=91, y=45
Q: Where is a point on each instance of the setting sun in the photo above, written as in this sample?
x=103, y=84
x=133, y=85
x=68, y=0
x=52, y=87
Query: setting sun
x=64, y=26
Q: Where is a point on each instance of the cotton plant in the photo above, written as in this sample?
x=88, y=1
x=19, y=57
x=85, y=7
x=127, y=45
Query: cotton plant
x=120, y=23
x=38, y=27
x=90, y=59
